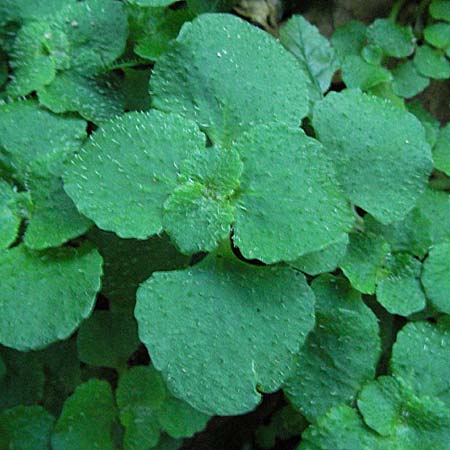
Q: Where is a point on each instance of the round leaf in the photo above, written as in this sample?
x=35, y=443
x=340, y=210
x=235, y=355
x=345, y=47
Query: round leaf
x=123, y=176
x=432, y=63
x=221, y=329
x=289, y=203
x=48, y=297
x=217, y=73
x=380, y=152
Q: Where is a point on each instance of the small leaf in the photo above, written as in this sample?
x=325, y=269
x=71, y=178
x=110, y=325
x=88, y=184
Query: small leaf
x=26, y=427
x=139, y=154
x=224, y=327
x=349, y=39
x=289, y=203
x=421, y=356
x=440, y=9
x=312, y=50
x=48, y=297
x=86, y=419
x=441, y=151
x=357, y=73
x=398, y=285
x=436, y=277
x=213, y=74
x=380, y=153
x=432, y=63
x=339, y=355
x=107, y=339
x=408, y=82
x=438, y=35
x=393, y=39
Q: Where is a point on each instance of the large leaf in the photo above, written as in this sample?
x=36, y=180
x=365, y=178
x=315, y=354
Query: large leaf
x=222, y=330
x=217, y=72
x=48, y=297
x=9, y=218
x=381, y=156
x=339, y=355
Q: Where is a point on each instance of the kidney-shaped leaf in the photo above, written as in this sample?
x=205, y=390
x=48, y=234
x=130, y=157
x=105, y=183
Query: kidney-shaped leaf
x=223, y=330
x=45, y=295
x=380, y=152
x=218, y=72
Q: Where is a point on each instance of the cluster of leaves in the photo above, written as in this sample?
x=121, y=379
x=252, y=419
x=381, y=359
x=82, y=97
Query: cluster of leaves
x=175, y=180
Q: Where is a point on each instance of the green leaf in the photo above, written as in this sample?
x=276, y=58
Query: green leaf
x=26, y=427
x=24, y=379
x=440, y=9
x=357, y=73
x=391, y=409
x=86, y=419
x=398, y=285
x=289, y=203
x=95, y=99
x=30, y=10
x=363, y=260
x=436, y=277
x=438, y=35
x=432, y=63
x=53, y=218
x=140, y=393
x=129, y=262
x=339, y=355
x=139, y=155
x=381, y=156
x=107, y=339
x=435, y=206
x=265, y=315
x=9, y=218
x=342, y=429
x=413, y=234
x=48, y=297
x=326, y=260
x=203, y=6
x=407, y=81
x=198, y=214
x=349, y=39
x=421, y=356
x=314, y=52
x=28, y=133
x=213, y=74
x=152, y=3
x=441, y=151
x=429, y=122
x=393, y=39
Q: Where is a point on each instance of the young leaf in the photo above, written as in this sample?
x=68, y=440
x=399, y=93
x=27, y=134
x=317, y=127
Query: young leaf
x=363, y=260
x=441, y=151
x=393, y=39
x=398, y=285
x=213, y=74
x=234, y=327
x=289, y=203
x=139, y=155
x=436, y=277
x=438, y=35
x=440, y=9
x=339, y=355
x=349, y=39
x=432, y=63
x=357, y=73
x=312, y=50
x=9, y=218
x=380, y=153
x=421, y=356
x=326, y=260
x=390, y=407
x=86, y=419
x=48, y=297
x=26, y=427
x=107, y=339
x=407, y=81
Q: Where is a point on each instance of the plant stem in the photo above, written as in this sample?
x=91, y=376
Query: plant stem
x=398, y=5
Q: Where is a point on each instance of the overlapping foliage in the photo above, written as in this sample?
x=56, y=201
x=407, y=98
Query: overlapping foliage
x=195, y=213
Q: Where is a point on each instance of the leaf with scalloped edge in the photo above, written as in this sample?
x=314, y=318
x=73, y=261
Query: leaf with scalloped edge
x=339, y=355
x=224, y=327
x=380, y=152
x=48, y=297
x=123, y=176
x=216, y=73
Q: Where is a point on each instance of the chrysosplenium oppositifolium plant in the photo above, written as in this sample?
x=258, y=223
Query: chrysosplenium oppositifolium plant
x=260, y=214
